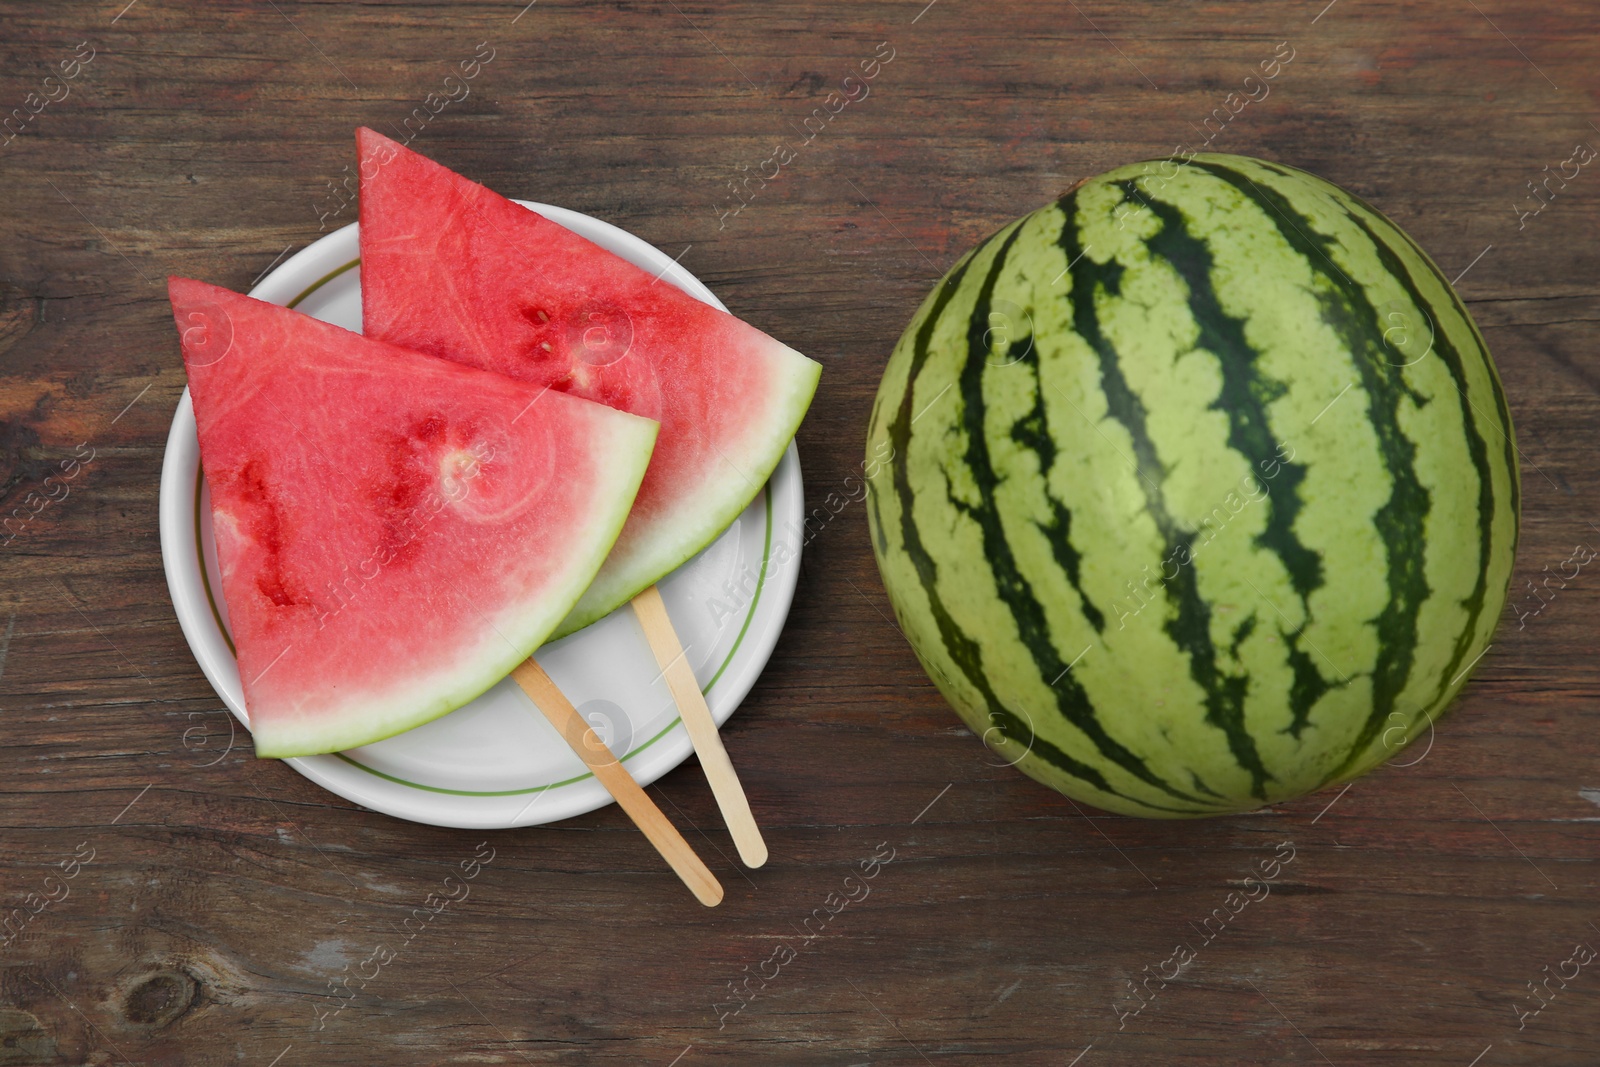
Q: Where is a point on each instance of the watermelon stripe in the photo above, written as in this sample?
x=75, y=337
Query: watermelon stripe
x=1190, y=626
x=1505, y=435
x=1032, y=432
x=1201, y=787
x=1477, y=449
x=1244, y=397
x=1306, y=685
x=1402, y=521
x=963, y=650
x=1367, y=211
x=1501, y=410
x=1013, y=589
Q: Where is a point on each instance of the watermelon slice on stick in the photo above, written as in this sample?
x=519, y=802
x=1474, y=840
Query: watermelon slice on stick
x=512, y=292
x=526, y=297
x=395, y=532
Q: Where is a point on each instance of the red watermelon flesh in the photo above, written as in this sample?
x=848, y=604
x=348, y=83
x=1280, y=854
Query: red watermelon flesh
x=395, y=531
x=450, y=268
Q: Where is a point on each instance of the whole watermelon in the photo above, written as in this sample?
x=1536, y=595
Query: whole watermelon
x=1195, y=490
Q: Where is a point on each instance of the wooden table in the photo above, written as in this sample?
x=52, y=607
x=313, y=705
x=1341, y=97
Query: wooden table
x=221, y=908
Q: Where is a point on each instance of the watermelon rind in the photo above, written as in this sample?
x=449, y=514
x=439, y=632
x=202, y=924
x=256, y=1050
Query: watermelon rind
x=1195, y=490
x=632, y=568
x=395, y=532
x=625, y=444
x=509, y=291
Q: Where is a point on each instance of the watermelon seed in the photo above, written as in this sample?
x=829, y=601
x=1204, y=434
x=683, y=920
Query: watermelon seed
x=546, y=346
x=544, y=316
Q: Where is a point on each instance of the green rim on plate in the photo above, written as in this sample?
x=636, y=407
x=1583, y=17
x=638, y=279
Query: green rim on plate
x=205, y=579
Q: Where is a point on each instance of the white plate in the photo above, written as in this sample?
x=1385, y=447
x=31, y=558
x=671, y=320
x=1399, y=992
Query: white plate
x=496, y=762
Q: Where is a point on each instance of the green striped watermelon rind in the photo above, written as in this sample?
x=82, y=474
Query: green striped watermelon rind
x=678, y=542
x=1032, y=479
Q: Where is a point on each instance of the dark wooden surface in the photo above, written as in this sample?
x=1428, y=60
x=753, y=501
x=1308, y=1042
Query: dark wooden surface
x=221, y=906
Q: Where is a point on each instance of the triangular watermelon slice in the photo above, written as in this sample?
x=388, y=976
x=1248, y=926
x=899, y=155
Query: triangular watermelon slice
x=450, y=268
x=396, y=532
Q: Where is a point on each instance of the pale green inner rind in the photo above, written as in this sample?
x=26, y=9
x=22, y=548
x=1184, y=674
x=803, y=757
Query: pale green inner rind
x=713, y=505
x=1133, y=674
x=623, y=453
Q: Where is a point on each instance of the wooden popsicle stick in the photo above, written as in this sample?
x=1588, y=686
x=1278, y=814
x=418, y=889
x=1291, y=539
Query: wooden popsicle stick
x=611, y=774
x=668, y=650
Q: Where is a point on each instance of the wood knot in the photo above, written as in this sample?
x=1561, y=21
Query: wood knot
x=23, y=1040
x=160, y=998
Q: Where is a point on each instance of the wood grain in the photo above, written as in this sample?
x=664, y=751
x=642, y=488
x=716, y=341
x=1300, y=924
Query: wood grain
x=220, y=911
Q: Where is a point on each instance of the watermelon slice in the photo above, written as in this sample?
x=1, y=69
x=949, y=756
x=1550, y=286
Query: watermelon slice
x=451, y=268
x=395, y=532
